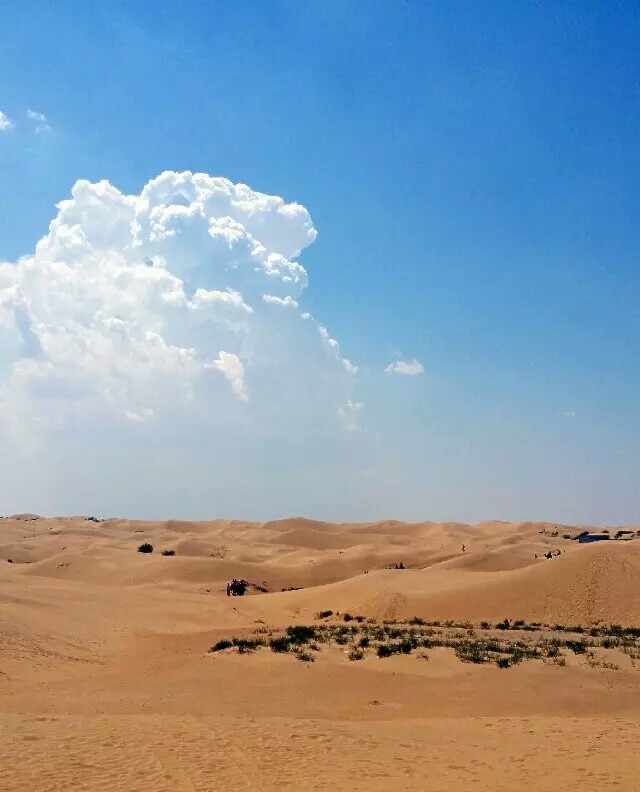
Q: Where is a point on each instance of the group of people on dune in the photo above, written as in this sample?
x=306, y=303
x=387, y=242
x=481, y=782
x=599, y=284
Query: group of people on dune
x=237, y=588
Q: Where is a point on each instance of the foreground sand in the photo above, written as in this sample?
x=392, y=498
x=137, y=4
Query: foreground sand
x=106, y=682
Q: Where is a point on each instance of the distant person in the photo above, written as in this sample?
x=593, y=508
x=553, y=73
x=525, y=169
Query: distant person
x=463, y=548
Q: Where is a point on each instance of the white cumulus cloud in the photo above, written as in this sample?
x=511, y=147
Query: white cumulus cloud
x=407, y=367
x=5, y=123
x=177, y=306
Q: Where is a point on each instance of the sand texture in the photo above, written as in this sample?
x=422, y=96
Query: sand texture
x=107, y=681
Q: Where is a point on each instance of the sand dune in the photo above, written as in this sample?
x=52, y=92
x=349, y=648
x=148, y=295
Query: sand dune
x=106, y=681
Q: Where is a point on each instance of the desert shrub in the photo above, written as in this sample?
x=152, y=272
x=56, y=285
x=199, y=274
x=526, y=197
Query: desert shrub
x=503, y=625
x=566, y=536
x=220, y=645
x=347, y=617
x=416, y=620
x=577, y=647
x=364, y=641
x=552, y=649
x=609, y=642
x=356, y=654
x=485, y=625
x=359, y=619
x=245, y=645
x=519, y=624
x=471, y=651
x=279, y=644
x=145, y=548
x=405, y=646
x=168, y=552
x=300, y=634
x=503, y=662
x=324, y=614
x=341, y=639
x=385, y=650
x=304, y=656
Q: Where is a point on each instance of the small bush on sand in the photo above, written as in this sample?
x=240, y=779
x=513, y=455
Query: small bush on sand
x=247, y=644
x=300, y=634
x=471, y=652
x=348, y=617
x=503, y=662
x=168, y=552
x=577, y=647
x=385, y=650
x=356, y=654
x=485, y=625
x=145, y=548
x=304, y=656
x=364, y=642
x=503, y=625
x=280, y=644
x=218, y=647
x=553, y=649
x=324, y=614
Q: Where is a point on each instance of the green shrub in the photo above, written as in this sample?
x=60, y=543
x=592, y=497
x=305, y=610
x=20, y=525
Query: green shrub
x=553, y=649
x=577, y=647
x=245, y=645
x=503, y=662
x=168, y=552
x=300, y=634
x=223, y=644
x=324, y=614
x=145, y=548
x=385, y=650
x=471, y=652
x=304, y=656
x=280, y=644
x=356, y=654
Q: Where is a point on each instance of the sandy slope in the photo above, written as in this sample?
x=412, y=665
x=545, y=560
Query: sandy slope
x=106, y=682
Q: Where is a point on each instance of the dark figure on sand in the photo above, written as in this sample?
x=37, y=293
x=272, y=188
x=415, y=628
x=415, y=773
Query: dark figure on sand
x=236, y=588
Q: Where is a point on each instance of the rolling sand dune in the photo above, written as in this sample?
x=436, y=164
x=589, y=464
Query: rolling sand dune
x=106, y=681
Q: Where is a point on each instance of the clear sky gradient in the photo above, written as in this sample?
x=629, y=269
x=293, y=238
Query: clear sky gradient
x=472, y=170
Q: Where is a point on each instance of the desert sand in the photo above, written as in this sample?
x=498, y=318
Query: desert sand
x=107, y=681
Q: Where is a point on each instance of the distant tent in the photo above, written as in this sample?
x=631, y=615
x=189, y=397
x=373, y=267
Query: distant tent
x=586, y=539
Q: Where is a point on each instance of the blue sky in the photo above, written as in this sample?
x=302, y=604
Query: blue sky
x=472, y=171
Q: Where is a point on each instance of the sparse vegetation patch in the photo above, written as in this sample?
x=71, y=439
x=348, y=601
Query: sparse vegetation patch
x=484, y=644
